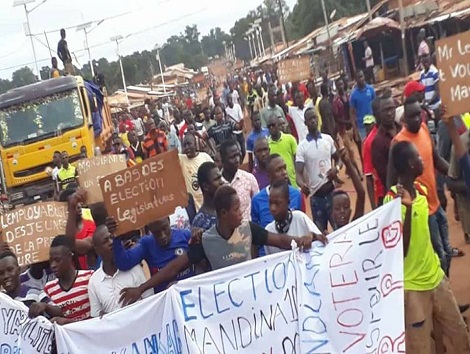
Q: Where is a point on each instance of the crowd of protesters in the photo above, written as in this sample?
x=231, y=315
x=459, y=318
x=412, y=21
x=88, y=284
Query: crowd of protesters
x=301, y=137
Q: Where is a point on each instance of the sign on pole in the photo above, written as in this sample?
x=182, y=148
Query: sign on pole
x=91, y=170
x=145, y=193
x=291, y=70
x=30, y=230
x=452, y=54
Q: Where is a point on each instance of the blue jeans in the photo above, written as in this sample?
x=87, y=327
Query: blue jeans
x=439, y=230
x=321, y=211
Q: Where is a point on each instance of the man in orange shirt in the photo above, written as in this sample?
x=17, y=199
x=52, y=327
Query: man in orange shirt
x=416, y=132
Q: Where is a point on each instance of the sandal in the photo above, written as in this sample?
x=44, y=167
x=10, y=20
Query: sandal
x=457, y=253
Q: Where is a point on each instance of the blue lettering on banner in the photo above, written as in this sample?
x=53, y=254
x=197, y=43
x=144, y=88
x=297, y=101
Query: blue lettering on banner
x=224, y=293
x=167, y=342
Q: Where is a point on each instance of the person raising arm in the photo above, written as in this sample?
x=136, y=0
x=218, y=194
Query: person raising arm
x=229, y=236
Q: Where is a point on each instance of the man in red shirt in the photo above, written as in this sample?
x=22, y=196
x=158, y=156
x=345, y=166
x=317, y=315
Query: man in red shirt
x=70, y=290
x=126, y=124
x=375, y=188
x=79, y=230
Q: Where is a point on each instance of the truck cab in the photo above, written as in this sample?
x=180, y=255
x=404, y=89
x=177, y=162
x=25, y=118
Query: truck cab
x=36, y=120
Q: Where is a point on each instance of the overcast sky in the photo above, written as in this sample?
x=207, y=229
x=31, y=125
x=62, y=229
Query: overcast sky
x=170, y=15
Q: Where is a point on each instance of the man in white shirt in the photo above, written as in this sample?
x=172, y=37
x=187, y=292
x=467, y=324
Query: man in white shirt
x=314, y=155
x=104, y=288
x=297, y=114
x=294, y=223
x=235, y=113
x=138, y=125
x=369, y=62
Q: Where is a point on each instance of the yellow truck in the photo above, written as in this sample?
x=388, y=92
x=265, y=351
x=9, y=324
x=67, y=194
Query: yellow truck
x=60, y=114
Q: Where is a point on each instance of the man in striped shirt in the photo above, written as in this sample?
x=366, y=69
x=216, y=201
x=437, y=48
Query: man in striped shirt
x=430, y=79
x=70, y=290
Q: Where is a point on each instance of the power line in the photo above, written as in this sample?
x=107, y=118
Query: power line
x=108, y=42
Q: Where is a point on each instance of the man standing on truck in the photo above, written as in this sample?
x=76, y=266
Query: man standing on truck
x=67, y=173
x=64, y=54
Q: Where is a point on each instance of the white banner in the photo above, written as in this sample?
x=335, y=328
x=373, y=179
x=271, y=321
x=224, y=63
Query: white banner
x=351, y=297
x=343, y=298
x=19, y=334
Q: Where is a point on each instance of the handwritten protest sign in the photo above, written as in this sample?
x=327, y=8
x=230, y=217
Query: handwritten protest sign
x=146, y=192
x=346, y=297
x=91, y=170
x=454, y=66
x=291, y=70
x=19, y=333
x=29, y=230
x=351, y=292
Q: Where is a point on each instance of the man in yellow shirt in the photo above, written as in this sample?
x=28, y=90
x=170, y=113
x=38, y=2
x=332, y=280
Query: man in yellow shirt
x=68, y=173
x=54, y=72
x=428, y=296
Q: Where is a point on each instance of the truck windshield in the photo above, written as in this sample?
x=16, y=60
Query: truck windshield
x=35, y=120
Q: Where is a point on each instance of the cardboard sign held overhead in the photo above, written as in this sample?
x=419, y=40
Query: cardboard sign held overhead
x=30, y=230
x=91, y=170
x=291, y=70
x=145, y=193
x=452, y=54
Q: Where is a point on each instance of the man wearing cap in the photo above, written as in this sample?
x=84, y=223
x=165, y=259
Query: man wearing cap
x=155, y=141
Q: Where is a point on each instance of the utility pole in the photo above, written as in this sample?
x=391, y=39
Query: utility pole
x=403, y=42
x=283, y=25
x=368, y=10
x=325, y=17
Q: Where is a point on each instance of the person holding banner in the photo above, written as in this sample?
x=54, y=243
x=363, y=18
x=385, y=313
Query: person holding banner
x=35, y=299
x=227, y=243
x=70, y=290
x=158, y=249
x=106, y=283
x=428, y=296
x=286, y=221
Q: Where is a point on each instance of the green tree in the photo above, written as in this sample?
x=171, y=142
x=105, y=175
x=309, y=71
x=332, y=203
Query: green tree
x=23, y=76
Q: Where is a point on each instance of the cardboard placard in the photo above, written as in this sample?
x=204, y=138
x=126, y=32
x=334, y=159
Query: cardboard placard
x=218, y=69
x=146, y=192
x=291, y=70
x=452, y=54
x=91, y=170
x=30, y=230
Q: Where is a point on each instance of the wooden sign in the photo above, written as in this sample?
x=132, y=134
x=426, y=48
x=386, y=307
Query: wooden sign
x=91, y=170
x=146, y=192
x=291, y=70
x=452, y=54
x=218, y=69
x=30, y=230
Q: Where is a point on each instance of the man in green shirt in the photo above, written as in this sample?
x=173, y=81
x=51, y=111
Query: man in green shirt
x=428, y=296
x=284, y=145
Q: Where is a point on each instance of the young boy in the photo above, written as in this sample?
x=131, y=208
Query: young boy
x=341, y=204
x=294, y=223
x=428, y=295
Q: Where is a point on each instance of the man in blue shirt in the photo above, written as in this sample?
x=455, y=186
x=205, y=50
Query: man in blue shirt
x=277, y=170
x=257, y=132
x=160, y=247
x=361, y=103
